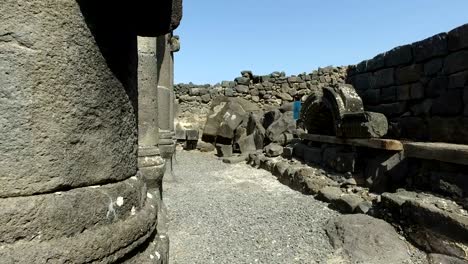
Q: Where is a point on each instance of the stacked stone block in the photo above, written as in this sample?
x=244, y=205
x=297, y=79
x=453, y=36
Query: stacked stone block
x=268, y=90
x=421, y=87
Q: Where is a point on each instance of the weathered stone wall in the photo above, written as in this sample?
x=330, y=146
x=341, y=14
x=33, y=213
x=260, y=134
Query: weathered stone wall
x=421, y=87
x=268, y=92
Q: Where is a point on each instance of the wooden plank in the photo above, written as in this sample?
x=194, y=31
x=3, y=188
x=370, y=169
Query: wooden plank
x=376, y=143
x=452, y=153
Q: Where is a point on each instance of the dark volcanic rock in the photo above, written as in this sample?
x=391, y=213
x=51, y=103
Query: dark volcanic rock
x=363, y=239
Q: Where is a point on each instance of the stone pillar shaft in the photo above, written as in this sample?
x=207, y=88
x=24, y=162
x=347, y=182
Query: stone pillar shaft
x=166, y=96
x=150, y=163
x=165, y=82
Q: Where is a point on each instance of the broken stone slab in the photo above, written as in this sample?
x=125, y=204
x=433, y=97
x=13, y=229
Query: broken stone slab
x=255, y=128
x=232, y=118
x=190, y=145
x=313, y=181
x=270, y=117
x=284, y=139
x=443, y=259
x=329, y=194
x=285, y=123
x=364, y=125
x=347, y=203
x=433, y=242
x=224, y=150
x=280, y=168
x=192, y=134
x=339, y=159
x=205, y=146
x=299, y=150
x=288, y=152
x=384, y=170
x=360, y=238
x=364, y=207
x=247, y=144
x=312, y=155
x=268, y=164
x=438, y=224
x=273, y=150
x=428, y=214
x=217, y=116
x=235, y=159
x=180, y=133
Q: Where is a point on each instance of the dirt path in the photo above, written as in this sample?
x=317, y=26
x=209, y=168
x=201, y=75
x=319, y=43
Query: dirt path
x=222, y=213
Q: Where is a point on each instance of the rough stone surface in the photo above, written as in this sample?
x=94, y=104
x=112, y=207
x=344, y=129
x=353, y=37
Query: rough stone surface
x=339, y=159
x=41, y=149
x=363, y=239
x=329, y=194
x=458, y=38
x=312, y=155
x=205, y=146
x=224, y=150
x=456, y=62
x=443, y=259
x=398, y=56
x=278, y=127
x=247, y=144
x=409, y=74
x=273, y=150
x=364, y=125
x=430, y=47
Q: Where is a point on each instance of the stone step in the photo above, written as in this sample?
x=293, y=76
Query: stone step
x=435, y=224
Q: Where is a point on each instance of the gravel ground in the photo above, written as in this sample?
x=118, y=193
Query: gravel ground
x=220, y=213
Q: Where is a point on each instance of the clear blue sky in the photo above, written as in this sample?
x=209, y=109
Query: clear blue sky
x=219, y=38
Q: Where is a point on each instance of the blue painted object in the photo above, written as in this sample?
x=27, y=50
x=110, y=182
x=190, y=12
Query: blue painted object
x=297, y=109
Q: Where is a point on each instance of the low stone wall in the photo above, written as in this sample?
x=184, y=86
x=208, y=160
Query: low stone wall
x=421, y=87
x=268, y=92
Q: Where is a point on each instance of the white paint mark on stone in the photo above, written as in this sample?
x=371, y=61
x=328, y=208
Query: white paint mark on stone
x=111, y=210
x=233, y=117
x=133, y=211
x=149, y=195
x=151, y=257
x=152, y=206
x=162, y=236
x=157, y=255
x=135, y=178
x=120, y=201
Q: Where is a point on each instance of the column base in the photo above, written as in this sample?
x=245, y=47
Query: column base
x=152, y=166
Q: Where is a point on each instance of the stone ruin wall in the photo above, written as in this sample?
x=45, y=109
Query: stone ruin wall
x=268, y=91
x=421, y=87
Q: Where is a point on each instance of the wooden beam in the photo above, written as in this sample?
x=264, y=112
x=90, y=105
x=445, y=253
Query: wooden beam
x=376, y=143
x=452, y=153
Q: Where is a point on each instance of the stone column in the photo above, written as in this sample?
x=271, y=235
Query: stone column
x=150, y=163
x=166, y=94
x=69, y=187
